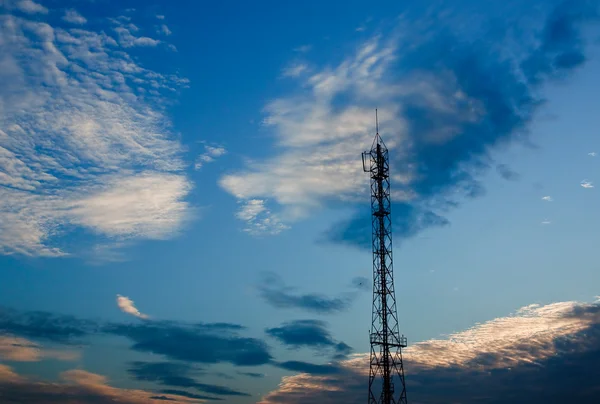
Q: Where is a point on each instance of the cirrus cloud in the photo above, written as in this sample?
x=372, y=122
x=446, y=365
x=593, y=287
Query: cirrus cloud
x=84, y=141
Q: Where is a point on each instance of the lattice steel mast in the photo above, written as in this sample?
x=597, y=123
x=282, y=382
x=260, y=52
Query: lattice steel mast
x=386, y=368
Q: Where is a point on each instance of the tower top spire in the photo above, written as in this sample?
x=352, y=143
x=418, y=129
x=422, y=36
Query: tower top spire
x=377, y=140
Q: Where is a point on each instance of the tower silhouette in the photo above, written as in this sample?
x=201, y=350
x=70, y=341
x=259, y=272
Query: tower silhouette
x=386, y=374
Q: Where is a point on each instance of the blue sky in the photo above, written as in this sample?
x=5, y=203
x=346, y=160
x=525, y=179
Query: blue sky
x=183, y=212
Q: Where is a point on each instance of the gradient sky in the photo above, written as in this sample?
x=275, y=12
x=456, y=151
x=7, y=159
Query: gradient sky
x=183, y=212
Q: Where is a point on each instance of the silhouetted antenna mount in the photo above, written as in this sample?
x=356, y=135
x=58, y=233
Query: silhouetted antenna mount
x=386, y=367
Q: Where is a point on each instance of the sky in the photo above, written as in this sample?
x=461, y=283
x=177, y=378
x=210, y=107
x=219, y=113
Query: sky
x=184, y=216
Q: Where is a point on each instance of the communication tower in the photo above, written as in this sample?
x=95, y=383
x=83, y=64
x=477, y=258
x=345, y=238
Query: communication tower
x=386, y=375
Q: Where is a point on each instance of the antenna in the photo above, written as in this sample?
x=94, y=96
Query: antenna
x=386, y=373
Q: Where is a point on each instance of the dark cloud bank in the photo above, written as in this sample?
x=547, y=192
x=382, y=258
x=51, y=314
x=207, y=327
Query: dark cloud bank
x=544, y=354
x=45, y=326
x=181, y=342
x=180, y=375
x=186, y=346
x=277, y=294
x=309, y=333
x=506, y=90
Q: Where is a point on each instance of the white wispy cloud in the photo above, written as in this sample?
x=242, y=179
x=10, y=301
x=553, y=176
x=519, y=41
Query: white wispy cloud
x=318, y=140
x=294, y=70
x=587, y=184
x=546, y=221
x=126, y=305
x=128, y=40
x=259, y=220
x=593, y=154
x=74, y=17
x=164, y=30
x=31, y=7
x=363, y=27
x=83, y=139
x=303, y=48
x=102, y=253
x=125, y=29
x=547, y=198
x=210, y=154
x=146, y=205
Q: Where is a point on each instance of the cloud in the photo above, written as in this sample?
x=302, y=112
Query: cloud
x=409, y=220
x=8, y=375
x=252, y=374
x=560, y=47
x=177, y=375
x=303, y=48
x=74, y=17
x=164, y=30
x=440, y=117
x=82, y=131
x=294, y=70
x=587, y=184
x=189, y=395
x=76, y=386
x=516, y=358
x=18, y=349
x=363, y=27
x=31, y=7
x=547, y=198
x=546, y=221
x=228, y=327
x=46, y=326
x=102, y=253
x=147, y=205
x=275, y=293
x=207, y=343
x=593, y=154
x=210, y=154
x=308, y=333
x=259, y=220
x=310, y=368
x=126, y=305
x=128, y=40
x=506, y=173
x=125, y=29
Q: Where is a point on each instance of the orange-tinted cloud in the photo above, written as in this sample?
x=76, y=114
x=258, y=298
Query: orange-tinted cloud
x=18, y=349
x=524, y=357
x=78, y=387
